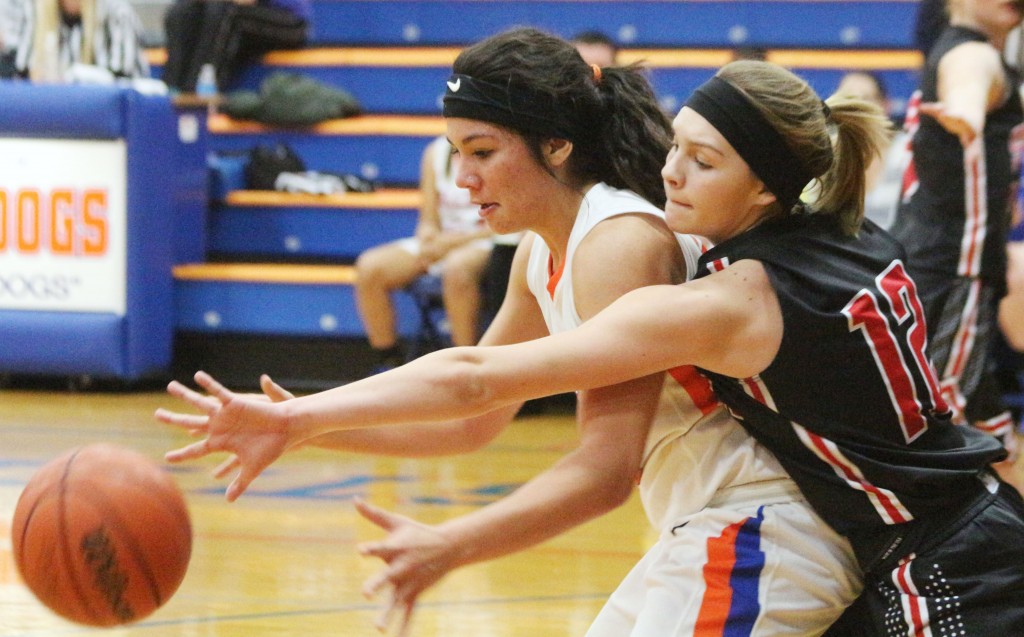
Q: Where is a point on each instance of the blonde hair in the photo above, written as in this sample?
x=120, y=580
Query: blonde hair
x=47, y=30
x=835, y=143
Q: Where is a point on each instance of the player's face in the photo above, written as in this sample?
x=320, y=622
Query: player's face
x=72, y=8
x=594, y=53
x=861, y=86
x=711, y=191
x=992, y=17
x=501, y=174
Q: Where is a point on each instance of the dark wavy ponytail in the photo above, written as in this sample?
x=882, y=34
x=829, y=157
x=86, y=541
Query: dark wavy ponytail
x=622, y=136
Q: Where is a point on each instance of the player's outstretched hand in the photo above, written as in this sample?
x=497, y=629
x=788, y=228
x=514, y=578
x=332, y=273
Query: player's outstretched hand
x=249, y=427
x=417, y=556
x=956, y=124
x=272, y=392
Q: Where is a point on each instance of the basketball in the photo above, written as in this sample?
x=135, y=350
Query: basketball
x=101, y=535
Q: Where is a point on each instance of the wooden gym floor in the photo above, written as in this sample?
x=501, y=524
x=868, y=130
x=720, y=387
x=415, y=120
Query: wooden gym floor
x=282, y=562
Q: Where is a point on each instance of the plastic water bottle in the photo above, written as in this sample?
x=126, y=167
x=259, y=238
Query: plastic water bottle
x=206, y=83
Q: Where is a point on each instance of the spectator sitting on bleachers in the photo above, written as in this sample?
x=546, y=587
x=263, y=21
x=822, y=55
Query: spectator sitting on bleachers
x=54, y=40
x=885, y=173
x=228, y=35
x=451, y=240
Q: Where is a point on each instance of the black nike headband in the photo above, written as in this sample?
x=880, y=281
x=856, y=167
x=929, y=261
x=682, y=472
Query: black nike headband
x=513, y=106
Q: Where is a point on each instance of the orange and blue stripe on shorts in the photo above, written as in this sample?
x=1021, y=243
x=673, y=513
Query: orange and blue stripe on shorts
x=731, y=575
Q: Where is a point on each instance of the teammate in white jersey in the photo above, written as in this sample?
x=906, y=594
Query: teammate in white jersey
x=739, y=548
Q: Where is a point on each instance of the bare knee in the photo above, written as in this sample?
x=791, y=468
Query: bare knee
x=386, y=267
x=462, y=270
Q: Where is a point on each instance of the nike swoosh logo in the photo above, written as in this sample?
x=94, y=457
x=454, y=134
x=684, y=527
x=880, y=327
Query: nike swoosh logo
x=455, y=86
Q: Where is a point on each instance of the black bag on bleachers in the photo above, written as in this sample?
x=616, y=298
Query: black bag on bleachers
x=267, y=162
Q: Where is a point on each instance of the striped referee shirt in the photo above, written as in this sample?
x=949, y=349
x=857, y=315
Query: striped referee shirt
x=117, y=46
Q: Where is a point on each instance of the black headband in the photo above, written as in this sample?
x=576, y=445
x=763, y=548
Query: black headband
x=515, y=107
x=756, y=141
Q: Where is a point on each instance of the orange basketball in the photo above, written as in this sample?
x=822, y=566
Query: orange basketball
x=101, y=535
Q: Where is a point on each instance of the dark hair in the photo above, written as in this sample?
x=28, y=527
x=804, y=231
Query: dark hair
x=628, y=135
x=595, y=37
x=749, y=53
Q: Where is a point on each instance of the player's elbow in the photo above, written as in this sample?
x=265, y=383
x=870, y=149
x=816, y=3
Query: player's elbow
x=475, y=433
x=613, y=499
x=465, y=377
x=612, y=491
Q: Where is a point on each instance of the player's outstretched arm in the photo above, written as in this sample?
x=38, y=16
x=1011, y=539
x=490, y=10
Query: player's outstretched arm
x=729, y=322
x=971, y=84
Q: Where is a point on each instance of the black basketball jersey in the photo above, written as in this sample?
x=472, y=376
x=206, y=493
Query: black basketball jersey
x=850, y=405
x=955, y=218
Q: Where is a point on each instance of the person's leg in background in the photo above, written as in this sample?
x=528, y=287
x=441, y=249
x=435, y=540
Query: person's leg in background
x=182, y=30
x=379, y=271
x=461, y=272
x=494, y=279
x=255, y=30
x=208, y=24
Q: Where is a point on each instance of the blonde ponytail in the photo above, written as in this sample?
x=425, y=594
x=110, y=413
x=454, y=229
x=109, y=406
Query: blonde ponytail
x=861, y=133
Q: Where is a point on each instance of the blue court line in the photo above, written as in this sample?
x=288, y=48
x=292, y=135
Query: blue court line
x=348, y=488
x=6, y=462
x=342, y=490
x=319, y=490
x=309, y=612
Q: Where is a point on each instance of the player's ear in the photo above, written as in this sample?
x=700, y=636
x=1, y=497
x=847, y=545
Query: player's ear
x=764, y=197
x=556, y=151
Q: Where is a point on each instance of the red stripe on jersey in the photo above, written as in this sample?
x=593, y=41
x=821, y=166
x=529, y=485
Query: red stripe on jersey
x=998, y=426
x=912, y=118
x=697, y=386
x=910, y=184
x=554, y=276
x=976, y=215
x=963, y=342
x=718, y=264
x=915, y=609
x=911, y=122
x=701, y=243
x=754, y=389
x=894, y=511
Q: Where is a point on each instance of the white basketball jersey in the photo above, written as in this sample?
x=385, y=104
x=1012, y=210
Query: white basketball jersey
x=695, y=451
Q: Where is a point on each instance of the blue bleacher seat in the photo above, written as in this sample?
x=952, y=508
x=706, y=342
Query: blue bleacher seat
x=311, y=228
x=635, y=23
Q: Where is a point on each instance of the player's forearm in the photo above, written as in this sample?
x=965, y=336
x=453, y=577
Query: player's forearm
x=564, y=497
x=411, y=441
x=442, y=386
x=461, y=382
x=420, y=441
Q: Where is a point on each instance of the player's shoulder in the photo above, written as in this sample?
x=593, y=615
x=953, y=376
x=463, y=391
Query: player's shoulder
x=629, y=234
